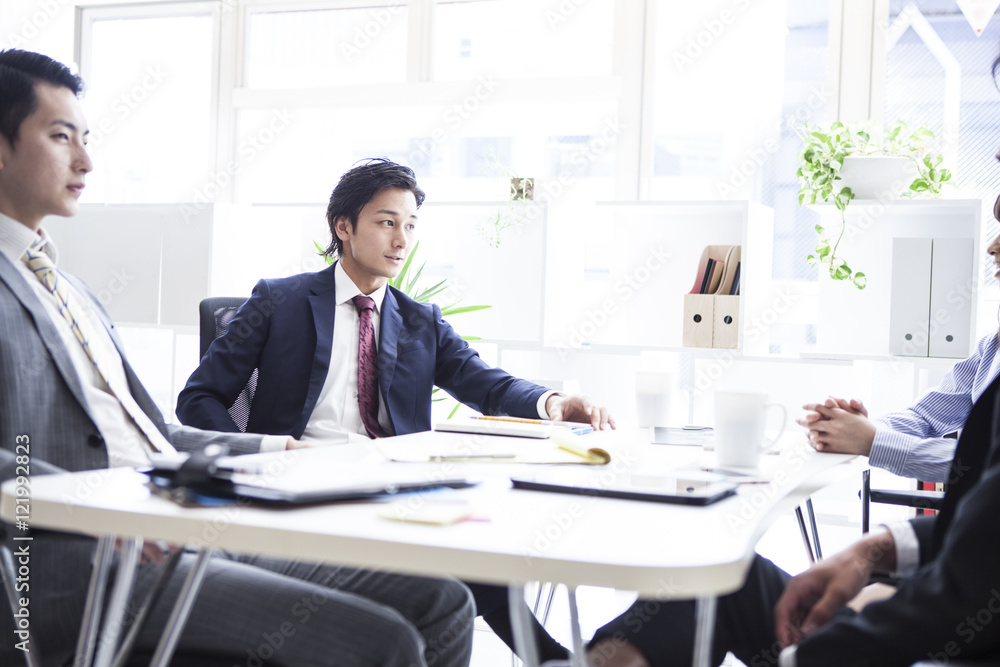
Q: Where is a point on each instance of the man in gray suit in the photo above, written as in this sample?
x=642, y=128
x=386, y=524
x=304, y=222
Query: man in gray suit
x=69, y=400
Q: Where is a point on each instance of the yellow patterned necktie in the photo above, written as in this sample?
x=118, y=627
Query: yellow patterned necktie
x=41, y=265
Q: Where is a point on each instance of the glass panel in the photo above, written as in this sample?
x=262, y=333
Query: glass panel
x=306, y=49
x=470, y=159
x=938, y=72
x=728, y=77
x=148, y=104
x=522, y=38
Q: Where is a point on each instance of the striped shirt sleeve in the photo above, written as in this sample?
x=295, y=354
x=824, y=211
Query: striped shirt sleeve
x=910, y=442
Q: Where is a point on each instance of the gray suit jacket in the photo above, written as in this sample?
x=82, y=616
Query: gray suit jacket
x=42, y=406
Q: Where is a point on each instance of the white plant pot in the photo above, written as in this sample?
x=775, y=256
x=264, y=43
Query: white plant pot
x=877, y=176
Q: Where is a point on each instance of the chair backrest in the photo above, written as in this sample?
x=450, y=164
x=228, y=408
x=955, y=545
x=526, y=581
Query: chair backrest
x=214, y=314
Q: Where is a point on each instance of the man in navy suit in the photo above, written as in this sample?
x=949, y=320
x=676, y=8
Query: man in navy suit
x=307, y=366
x=301, y=334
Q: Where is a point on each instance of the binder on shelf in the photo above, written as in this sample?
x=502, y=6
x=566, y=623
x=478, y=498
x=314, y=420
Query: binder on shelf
x=726, y=320
x=930, y=311
x=699, y=318
x=711, y=309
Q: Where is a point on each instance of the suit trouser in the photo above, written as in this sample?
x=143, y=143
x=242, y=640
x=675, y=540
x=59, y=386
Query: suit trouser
x=267, y=610
x=664, y=629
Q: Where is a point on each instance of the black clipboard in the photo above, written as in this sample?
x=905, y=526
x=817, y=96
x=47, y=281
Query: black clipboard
x=682, y=488
x=203, y=480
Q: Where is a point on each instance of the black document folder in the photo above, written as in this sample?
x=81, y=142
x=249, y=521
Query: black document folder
x=207, y=479
x=687, y=488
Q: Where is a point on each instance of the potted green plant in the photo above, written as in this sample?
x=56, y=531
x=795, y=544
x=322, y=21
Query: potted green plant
x=837, y=161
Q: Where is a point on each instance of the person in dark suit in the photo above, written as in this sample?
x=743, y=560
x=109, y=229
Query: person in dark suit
x=302, y=335
x=306, y=365
x=70, y=401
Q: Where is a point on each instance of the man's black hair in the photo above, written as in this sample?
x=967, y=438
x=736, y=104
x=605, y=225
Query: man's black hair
x=19, y=72
x=359, y=186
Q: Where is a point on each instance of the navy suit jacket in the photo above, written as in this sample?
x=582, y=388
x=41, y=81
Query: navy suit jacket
x=950, y=608
x=285, y=331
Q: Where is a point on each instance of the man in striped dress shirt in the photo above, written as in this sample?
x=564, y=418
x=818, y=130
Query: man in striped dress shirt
x=910, y=442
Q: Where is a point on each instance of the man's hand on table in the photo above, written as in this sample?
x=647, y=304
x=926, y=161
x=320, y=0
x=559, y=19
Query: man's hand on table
x=578, y=408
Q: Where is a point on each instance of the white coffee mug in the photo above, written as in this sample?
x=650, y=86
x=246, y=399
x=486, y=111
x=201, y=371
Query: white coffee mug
x=739, y=427
x=652, y=398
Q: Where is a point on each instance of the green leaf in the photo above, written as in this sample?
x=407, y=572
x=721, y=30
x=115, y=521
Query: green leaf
x=463, y=309
x=819, y=229
x=322, y=251
x=842, y=273
x=412, y=282
x=425, y=295
x=823, y=249
x=811, y=260
x=859, y=280
x=401, y=276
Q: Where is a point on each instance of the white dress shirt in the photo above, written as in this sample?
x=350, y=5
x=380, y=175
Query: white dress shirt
x=125, y=442
x=337, y=413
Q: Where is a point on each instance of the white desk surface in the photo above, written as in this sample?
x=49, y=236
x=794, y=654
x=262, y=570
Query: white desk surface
x=657, y=549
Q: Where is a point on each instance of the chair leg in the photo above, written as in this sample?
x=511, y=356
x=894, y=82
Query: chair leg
x=805, y=534
x=524, y=638
x=866, y=500
x=121, y=660
x=814, y=527
x=89, y=626
x=577, y=659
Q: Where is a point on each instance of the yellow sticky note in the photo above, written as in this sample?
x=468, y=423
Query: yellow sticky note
x=433, y=514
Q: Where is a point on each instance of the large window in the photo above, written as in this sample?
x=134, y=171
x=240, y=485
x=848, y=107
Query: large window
x=937, y=71
x=305, y=49
x=269, y=102
x=522, y=38
x=150, y=105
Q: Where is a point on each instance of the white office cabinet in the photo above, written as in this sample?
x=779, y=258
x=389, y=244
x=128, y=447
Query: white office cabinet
x=952, y=289
x=921, y=259
x=911, y=296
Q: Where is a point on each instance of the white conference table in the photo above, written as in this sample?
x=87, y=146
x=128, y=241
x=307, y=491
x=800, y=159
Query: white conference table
x=662, y=551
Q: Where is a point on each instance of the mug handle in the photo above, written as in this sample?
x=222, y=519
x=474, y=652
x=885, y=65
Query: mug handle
x=784, y=419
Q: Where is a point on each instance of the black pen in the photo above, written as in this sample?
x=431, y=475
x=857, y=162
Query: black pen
x=459, y=457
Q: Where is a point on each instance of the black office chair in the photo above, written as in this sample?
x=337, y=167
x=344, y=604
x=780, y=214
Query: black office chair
x=214, y=315
x=920, y=499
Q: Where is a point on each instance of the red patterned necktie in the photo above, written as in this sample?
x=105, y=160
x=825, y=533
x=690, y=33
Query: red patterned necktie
x=368, y=368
